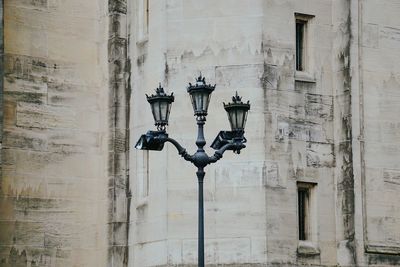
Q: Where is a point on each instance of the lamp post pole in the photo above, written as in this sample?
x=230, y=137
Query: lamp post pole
x=200, y=177
x=201, y=142
x=226, y=140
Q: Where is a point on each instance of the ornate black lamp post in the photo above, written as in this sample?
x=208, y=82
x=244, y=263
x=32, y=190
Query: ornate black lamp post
x=200, y=94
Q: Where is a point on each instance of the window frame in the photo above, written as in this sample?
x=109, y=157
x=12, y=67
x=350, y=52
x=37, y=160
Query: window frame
x=306, y=210
x=305, y=69
x=301, y=44
x=308, y=245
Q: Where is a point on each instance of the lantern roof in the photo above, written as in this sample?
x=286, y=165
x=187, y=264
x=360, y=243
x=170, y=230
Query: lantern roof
x=160, y=95
x=200, y=85
x=237, y=103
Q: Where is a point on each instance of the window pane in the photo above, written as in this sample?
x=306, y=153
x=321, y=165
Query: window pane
x=300, y=25
x=303, y=213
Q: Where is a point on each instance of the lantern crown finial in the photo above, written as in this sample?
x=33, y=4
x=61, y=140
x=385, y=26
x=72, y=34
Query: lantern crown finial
x=160, y=92
x=200, y=82
x=236, y=98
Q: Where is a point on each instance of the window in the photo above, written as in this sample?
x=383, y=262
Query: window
x=302, y=25
x=304, y=207
x=307, y=219
x=300, y=30
x=143, y=19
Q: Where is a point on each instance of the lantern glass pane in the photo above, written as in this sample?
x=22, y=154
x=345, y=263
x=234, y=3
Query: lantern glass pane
x=168, y=111
x=156, y=111
x=206, y=100
x=239, y=118
x=196, y=101
x=199, y=102
x=230, y=118
x=163, y=110
x=245, y=118
x=193, y=97
x=193, y=104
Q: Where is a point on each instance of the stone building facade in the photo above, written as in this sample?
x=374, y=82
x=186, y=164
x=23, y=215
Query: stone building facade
x=317, y=185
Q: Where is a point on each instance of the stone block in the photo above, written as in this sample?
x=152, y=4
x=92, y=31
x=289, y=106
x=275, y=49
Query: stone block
x=289, y=128
x=320, y=155
x=318, y=107
x=243, y=174
x=43, y=116
x=244, y=76
x=25, y=139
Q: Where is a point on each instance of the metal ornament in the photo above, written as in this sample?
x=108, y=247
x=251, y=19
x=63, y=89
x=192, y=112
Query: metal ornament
x=234, y=140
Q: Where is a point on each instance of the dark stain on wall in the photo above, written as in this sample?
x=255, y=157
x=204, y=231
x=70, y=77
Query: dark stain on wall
x=141, y=59
x=345, y=186
x=118, y=170
x=383, y=260
x=17, y=258
x=1, y=65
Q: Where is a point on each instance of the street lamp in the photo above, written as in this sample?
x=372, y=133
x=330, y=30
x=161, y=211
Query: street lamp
x=200, y=94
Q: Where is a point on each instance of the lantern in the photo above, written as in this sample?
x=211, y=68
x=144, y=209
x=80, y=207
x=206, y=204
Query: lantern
x=237, y=113
x=200, y=94
x=161, y=107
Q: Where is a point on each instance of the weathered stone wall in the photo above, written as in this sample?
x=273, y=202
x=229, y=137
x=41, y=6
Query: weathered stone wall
x=376, y=123
x=321, y=126
x=65, y=188
x=53, y=191
x=299, y=135
x=251, y=212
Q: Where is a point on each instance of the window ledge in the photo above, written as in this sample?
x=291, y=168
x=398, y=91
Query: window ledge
x=303, y=76
x=307, y=248
x=142, y=41
x=141, y=203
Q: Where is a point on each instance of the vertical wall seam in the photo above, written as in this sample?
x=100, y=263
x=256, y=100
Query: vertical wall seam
x=361, y=121
x=118, y=170
x=1, y=70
